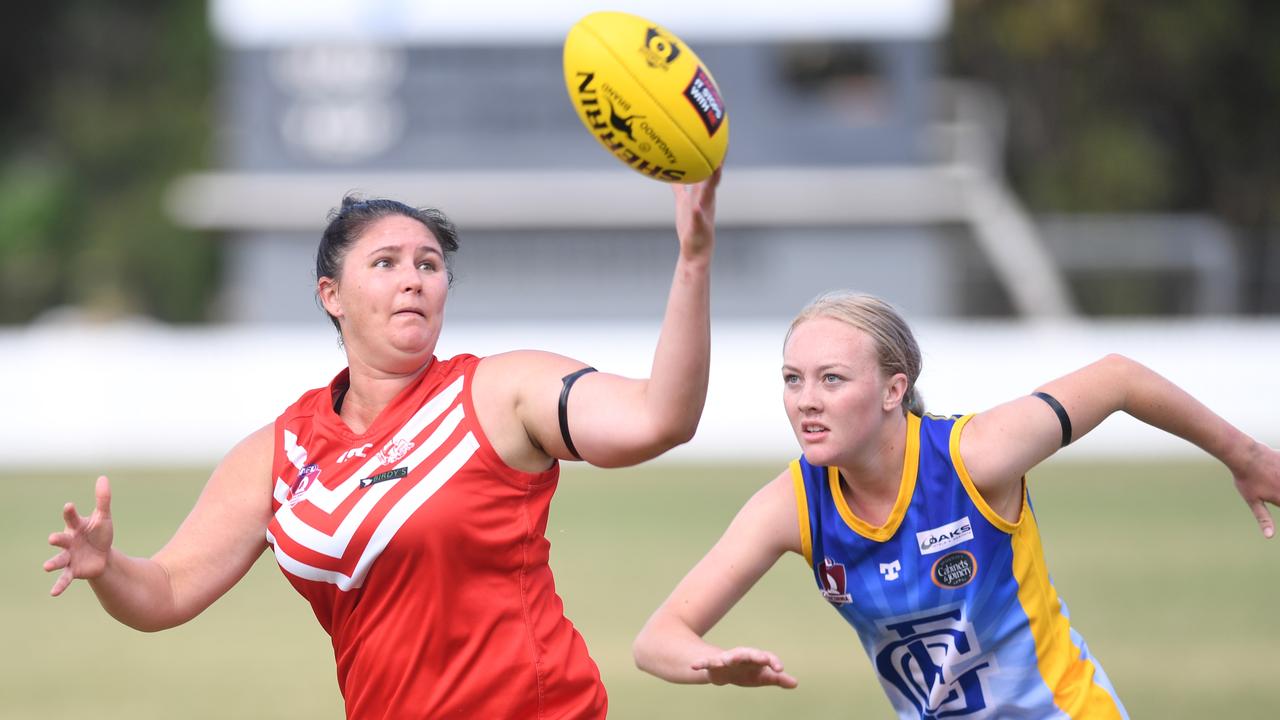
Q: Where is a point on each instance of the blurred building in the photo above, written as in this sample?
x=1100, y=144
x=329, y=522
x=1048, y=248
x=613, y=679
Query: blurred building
x=851, y=163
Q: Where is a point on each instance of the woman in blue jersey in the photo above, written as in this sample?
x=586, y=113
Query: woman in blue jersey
x=918, y=528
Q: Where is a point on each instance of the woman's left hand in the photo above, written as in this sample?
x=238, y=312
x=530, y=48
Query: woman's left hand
x=1258, y=482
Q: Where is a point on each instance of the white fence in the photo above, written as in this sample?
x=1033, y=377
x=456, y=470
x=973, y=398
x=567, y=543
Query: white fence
x=142, y=395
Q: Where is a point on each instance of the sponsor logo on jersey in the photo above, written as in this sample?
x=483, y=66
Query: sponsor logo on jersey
x=891, y=570
x=307, y=476
x=945, y=536
x=383, y=477
x=393, y=451
x=706, y=100
x=935, y=664
x=355, y=452
x=834, y=582
x=955, y=570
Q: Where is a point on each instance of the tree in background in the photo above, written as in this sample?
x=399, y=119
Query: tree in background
x=104, y=104
x=1140, y=107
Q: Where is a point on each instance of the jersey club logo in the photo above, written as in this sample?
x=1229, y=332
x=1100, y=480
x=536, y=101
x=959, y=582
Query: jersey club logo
x=933, y=662
x=393, y=451
x=834, y=583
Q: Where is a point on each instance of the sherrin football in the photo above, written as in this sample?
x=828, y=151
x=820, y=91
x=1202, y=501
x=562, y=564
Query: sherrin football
x=646, y=97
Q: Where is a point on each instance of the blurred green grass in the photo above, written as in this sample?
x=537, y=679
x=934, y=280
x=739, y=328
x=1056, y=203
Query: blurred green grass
x=1161, y=564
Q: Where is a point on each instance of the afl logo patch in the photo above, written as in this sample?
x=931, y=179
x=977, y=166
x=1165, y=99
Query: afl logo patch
x=955, y=570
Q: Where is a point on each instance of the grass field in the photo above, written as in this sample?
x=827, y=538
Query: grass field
x=1163, y=568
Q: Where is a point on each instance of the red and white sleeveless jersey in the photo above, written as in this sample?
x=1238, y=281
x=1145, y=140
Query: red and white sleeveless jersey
x=424, y=556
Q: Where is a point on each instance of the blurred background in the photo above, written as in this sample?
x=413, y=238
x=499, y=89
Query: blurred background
x=1033, y=184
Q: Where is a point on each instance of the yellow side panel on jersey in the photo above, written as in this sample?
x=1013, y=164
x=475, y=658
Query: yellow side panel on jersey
x=1070, y=676
x=975, y=495
x=802, y=508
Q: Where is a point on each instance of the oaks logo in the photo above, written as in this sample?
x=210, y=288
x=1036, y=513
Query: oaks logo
x=944, y=536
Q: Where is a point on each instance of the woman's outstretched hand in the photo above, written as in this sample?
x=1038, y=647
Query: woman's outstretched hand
x=85, y=543
x=745, y=666
x=696, y=215
x=1259, y=484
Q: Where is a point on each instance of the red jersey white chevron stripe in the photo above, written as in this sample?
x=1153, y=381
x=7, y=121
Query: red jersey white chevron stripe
x=426, y=558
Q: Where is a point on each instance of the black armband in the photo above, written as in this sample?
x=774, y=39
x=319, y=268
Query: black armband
x=568, y=381
x=1061, y=412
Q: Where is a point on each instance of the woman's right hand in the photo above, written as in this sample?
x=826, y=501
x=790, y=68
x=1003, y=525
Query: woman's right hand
x=85, y=543
x=748, y=667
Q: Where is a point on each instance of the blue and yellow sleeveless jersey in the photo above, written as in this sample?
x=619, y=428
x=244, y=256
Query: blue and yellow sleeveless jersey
x=953, y=603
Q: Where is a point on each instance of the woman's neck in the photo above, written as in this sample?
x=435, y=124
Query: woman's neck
x=369, y=391
x=876, y=474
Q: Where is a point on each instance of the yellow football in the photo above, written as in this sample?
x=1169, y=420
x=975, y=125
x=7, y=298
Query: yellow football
x=646, y=97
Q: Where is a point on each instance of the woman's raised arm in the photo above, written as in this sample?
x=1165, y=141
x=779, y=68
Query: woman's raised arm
x=611, y=420
x=1001, y=444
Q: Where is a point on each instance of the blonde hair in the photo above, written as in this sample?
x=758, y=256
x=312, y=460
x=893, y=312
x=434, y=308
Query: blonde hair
x=896, y=348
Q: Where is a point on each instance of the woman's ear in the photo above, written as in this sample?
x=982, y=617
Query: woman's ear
x=327, y=291
x=894, y=391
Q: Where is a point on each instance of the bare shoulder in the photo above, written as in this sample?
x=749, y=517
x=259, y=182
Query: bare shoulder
x=780, y=490
x=999, y=446
x=515, y=398
x=507, y=380
x=773, y=514
x=524, y=364
x=258, y=444
x=251, y=457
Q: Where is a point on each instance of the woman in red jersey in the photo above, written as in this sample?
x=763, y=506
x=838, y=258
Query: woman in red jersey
x=407, y=501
